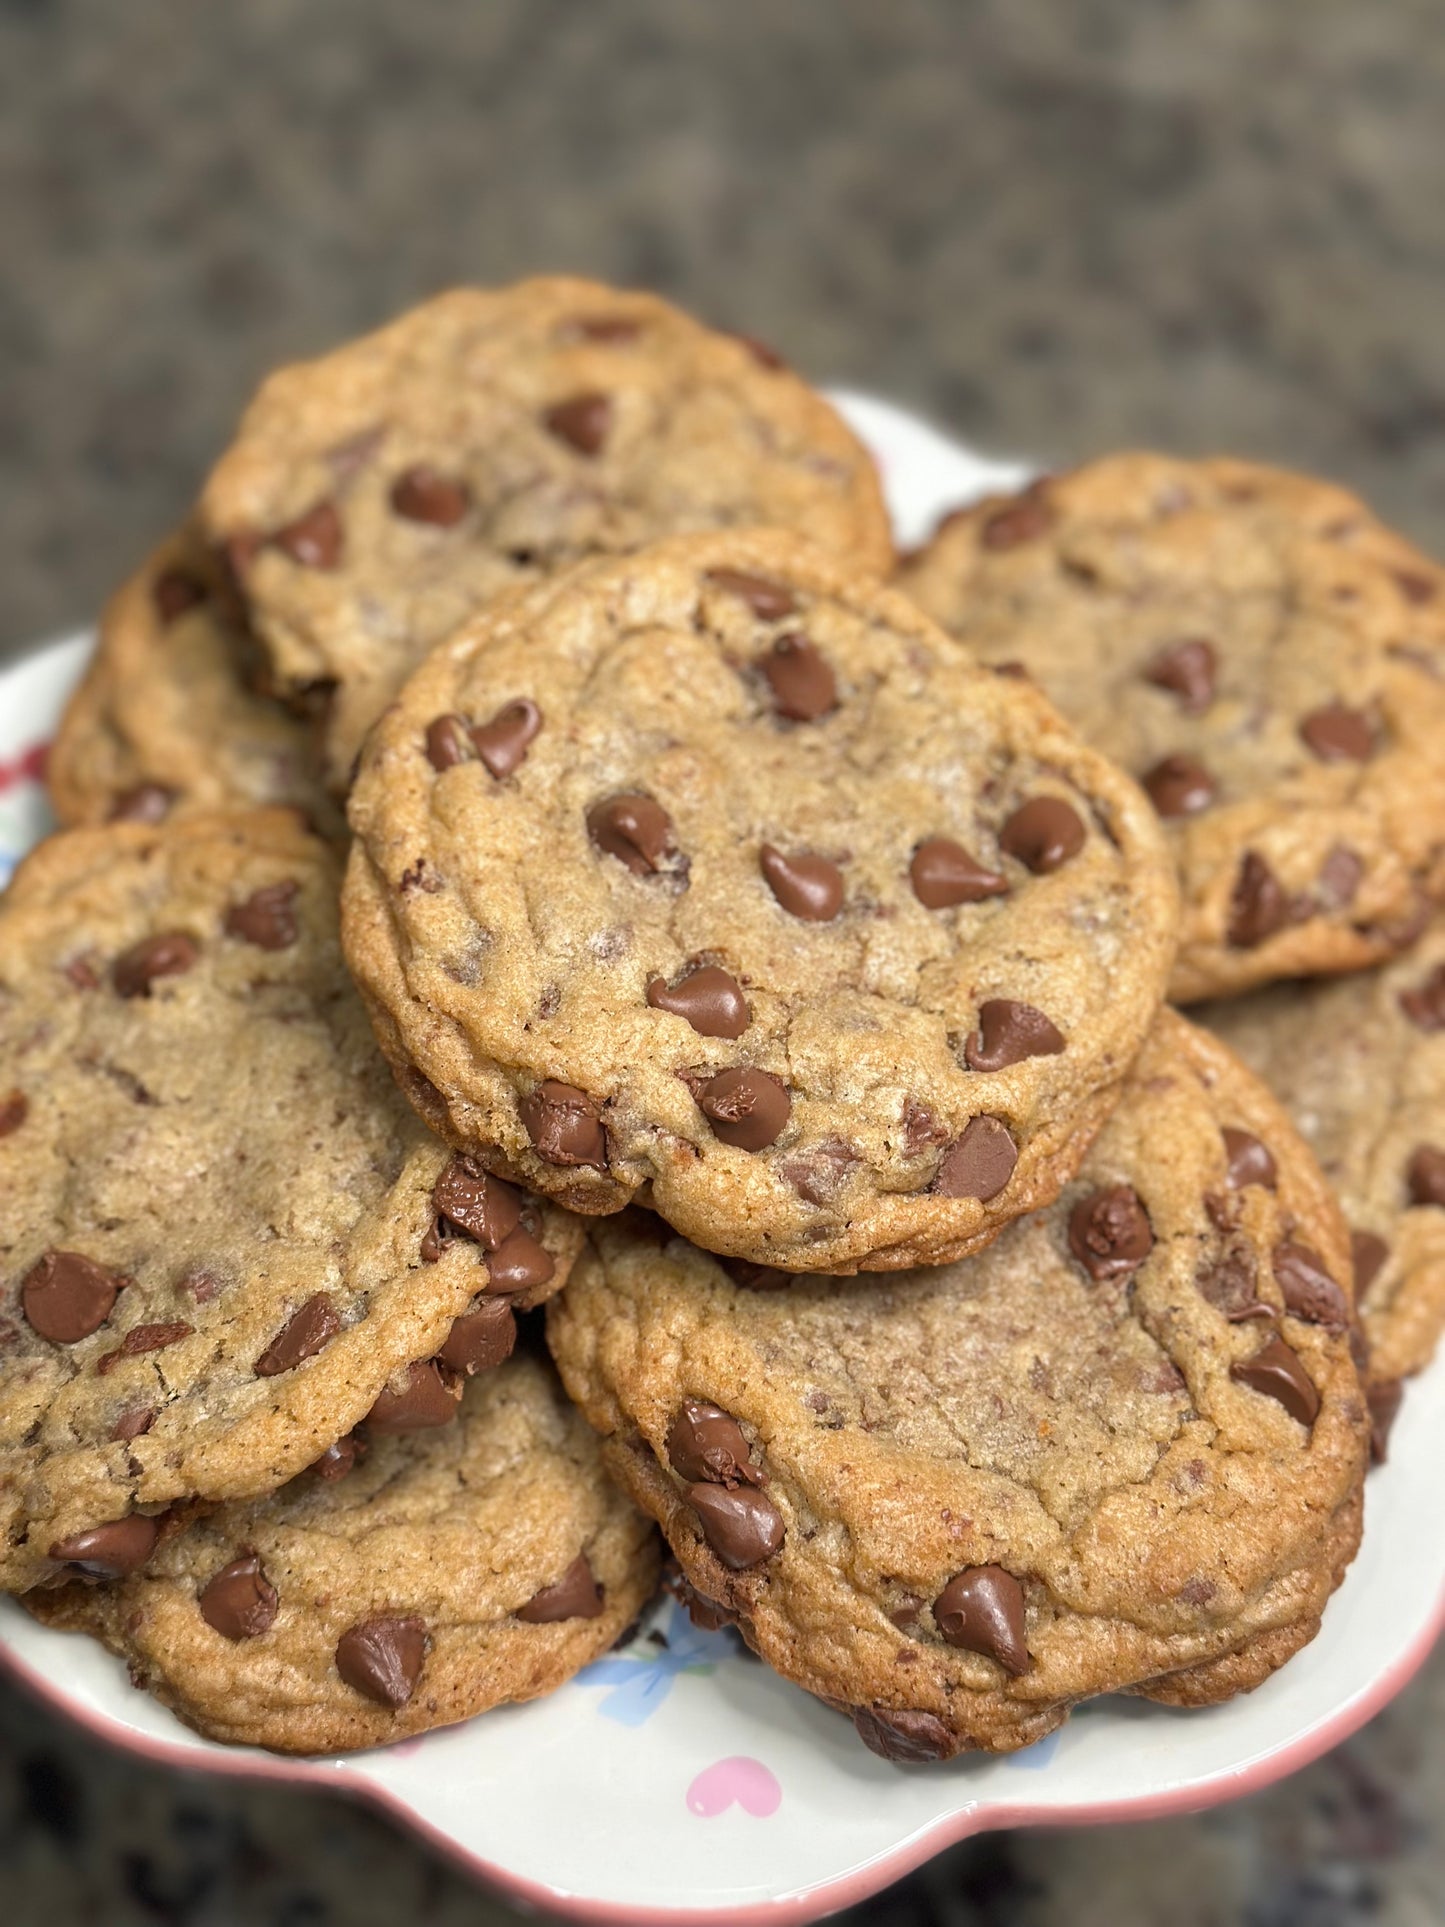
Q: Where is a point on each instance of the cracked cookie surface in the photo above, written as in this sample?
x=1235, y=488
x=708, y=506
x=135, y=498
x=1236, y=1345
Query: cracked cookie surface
x=223, y=1235
x=1264, y=656
x=375, y=498
x=719, y=879
x=1122, y=1449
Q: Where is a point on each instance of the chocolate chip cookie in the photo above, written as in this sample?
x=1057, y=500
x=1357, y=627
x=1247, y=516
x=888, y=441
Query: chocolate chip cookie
x=717, y=877
x=165, y=718
x=374, y=498
x=1359, y=1063
x=447, y=1572
x=224, y=1238
x=1265, y=657
x=1122, y=1449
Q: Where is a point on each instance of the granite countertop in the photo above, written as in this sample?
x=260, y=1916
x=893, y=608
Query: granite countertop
x=1058, y=226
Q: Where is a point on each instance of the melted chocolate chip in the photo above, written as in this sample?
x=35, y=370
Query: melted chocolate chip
x=1109, y=1232
x=267, y=918
x=1024, y=519
x=1425, y=1175
x=583, y=422
x=313, y=539
x=1425, y=1004
x=480, y=1338
x=239, y=1601
x=921, y=1129
x=1309, y=1290
x=903, y=1733
x=1338, y=735
x=979, y=1163
x=564, y=1124
x=1228, y=1282
x=175, y=591
x=486, y=1208
x=1187, y=670
x=382, y=1658
x=1248, y=1161
x=742, y=1527
x=14, y=1109
x=503, y=742
x=340, y=1457
x=1042, y=834
x=707, y=998
x=170, y=954
x=634, y=829
x=769, y=601
x=705, y=1442
x=806, y=886
x=423, y=494
x=146, y=803
x=746, y=1108
x=141, y=1339
x=109, y=1551
x=304, y=1334
x=944, y=874
x=520, y=1263
x=1276, y=1372
x=1179, y=786
x=417, y=1400
x=981, y=1610
x=1258, y=909
x=801, y=680
x=1007, y=1033
x=67, y=1296
x=1369, y=1253
x=448, y=742
x=576, y=1595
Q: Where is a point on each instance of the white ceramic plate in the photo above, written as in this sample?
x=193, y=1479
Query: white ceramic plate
x=678, y=1781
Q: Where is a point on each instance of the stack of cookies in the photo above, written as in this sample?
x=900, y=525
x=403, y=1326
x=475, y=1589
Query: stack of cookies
x=523, y=848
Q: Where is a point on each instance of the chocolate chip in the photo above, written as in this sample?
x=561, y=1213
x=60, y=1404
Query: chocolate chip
x=1187, y=670
x=503, y=742
x=1109, y=1232
x=1044, y=833
x=109, y=1551
x=141, y=1339
x=1179, y=786
x=1228, y=1282
x=15, y=1108
x=313, y=539
x=175, y=591
x=67, y=1296
x=801, y=679
x=903, y=1733
x=1425, y=1175
x=1276, y=1372
x=634, y=829
x=1024, y=519
x=762, y=352
x=487, y=1208
x=304, y=1334
x=564, y=1124
x=1382, y=1400
x=423, y=494
x=146, y=803
x=480, y=1338
x=981, y=1610
x=752, y=1277
x=1425, y=1004
x=921, y=1129
x=239, y=1601
x=1368, y=1253
x=133, y=1423
x=415, y=1400
x=705, y=1442
x=747, y=1108
x=383, y=1658
x=806, y=886
x=1339, y=880
x=582, y=422
x=170, y=954
x=1248, y=1161
x=576, y=1595
x=707, y=998
x=266, y=918
x=1338, y=735
x=448, y=742
x=1007, y=1033
x=520, y=1263
x=1258, y=909
x=606, y=327
x=769, y=601
x=944, y=874
x=979, y=1163
x=742, y=1527
x=340, y=1457
x=1309, y=1290
x=817, y=1174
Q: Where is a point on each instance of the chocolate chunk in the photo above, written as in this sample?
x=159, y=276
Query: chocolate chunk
x=1338, y=735
x=981, y=1610
x=634, y=829
x=1425, y=1004
x=1042, y=834
x=14, y=1109
x=416, y=1400
x=1369, y=1253
x=170, y=954
x=267, y=918
x=383, y=1658
x=1309, y=1290
x=1179, y=786
x=109, y=1551
x=67, y=1296
x=903, y=1733
x=742, y=1527
x=133, y=1423
x=503, y=742
x=313, y=539
x=487, y=1208
x=979, y=1163
x=304, y=1334
x=423, y=494
x=1007, y=1033
x=480, y=1338
x=705, y=1442
x=340, y=1457
x=707, y=998
x=801, y=680
x=173, y=592
x=1187, y=670
x=239, y=1601
x=582, y=422
x=806, y=886
x=141, y=1339
x=1425, y=1175
x=576, y=1595
x=146, y=803
x=519, y=1263
x=448, y=742
x=1382, y=1398
x=769, y=601
x=747, y=1108
x=1248, y=1161
x=1276, y=1372
x=564, y=1124
x=1258, y=908
x=1109, y=1232
x=1024, y=519
x=944, y=874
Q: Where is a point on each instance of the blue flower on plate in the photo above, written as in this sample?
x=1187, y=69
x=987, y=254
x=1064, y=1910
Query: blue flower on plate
x=641, y=1681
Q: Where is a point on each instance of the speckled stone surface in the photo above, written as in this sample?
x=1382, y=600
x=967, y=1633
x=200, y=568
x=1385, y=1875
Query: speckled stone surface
x=1058, y=225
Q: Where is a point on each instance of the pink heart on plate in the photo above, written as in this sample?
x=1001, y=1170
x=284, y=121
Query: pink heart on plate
x=747, y=1781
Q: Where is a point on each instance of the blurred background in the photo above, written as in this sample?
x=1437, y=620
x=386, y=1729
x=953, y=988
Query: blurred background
x=1056, y=226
